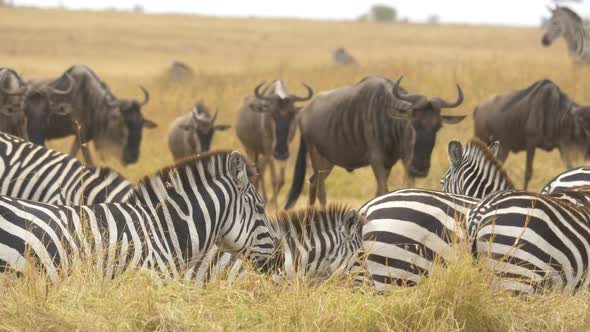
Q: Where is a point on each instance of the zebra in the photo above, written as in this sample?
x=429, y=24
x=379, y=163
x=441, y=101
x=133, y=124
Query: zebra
x=565, y=22
x=315, y=244
x=474, y=170
x=575, y=177
x=405, y=232
x=533, y=241
x=177, y=215
x=33, y=172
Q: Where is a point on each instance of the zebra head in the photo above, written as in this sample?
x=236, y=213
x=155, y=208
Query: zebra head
x=563, y=21
x=474, y=170
x=247, y=231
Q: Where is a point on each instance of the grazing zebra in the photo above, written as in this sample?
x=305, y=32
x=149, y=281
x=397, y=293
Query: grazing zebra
x=474, y=170
x=315, y=243
x=178, y=214
x=575, y=177
x=406, y=230
x=534, y=241
x=565, y=22
x=33, y=172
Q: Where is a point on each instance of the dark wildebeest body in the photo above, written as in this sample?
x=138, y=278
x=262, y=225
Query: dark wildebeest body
x=12, y=91
x=341, y=57
x=192, y=133
x=541, y=116
x=358, y=126
x=90, y=112
x=266, y=125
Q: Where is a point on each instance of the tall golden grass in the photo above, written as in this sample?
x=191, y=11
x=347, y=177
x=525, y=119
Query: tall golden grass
x=230, y=56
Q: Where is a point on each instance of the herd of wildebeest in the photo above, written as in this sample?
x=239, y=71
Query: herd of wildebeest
x=535, y=240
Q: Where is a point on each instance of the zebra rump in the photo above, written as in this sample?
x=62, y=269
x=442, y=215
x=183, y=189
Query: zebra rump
x=575, y=177
x=406, y=231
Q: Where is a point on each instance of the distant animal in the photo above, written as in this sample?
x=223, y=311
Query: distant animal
x=367, y=124
x=565, y=22
x=192, y=133
x=405, y=232
x=180, y=71
x=474, y=170
x=534, y=242
x=168, y=230
x=540, y=116
x=12, y=90
x=314, y=243
x=575, y=177
x=86, y=108
x=265, y=126
x=33, y=172
x=341, y=57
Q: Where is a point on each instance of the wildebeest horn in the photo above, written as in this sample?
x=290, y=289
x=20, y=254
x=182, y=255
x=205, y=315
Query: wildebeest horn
x=441, y=103
x=16, y=92
x=306, y=98
x=66, y=91
x=259, y=95
x=146, y=96
x=410, y=98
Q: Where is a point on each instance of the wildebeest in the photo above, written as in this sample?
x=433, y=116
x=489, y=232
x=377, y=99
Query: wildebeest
x=341, y=57
x=192, y=133
x=12, y=91
x=540, y=116
x=565, y=22
x=89, y=111
x=266, y=125
x=180, y=71
x=360, y=125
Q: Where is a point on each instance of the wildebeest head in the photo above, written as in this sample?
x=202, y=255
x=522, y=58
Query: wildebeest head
x=44, y=98
x=426, y=120
x=12, y=92
x=281, y=107
x=203, y=125
x=561, y=18
x=125, y=125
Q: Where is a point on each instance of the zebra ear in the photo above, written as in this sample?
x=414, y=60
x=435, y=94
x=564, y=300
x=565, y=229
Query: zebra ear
x=494, y=148
x=237, y=169
x=455, y=152
x=352, y=219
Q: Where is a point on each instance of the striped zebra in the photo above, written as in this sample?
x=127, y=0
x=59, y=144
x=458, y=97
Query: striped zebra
x=406, y=231
x=177, y=215
x=532, y=241
x=474, y=170
x=575, y=177
x=315, y=243
x=33, y=172
x=565, y=22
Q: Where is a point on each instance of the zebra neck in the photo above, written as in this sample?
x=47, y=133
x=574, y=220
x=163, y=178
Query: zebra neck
x=576, y=37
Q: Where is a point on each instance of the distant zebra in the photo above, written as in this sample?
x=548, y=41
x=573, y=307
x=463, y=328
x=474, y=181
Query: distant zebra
x=575, y=177
x=178, y=215
x=406, y=230
x=34, y=172
x=565, y=22
x=315, y=243
x=474, y=170
x=534, y=242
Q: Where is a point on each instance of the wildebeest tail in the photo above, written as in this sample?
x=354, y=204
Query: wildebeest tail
x=298, y=175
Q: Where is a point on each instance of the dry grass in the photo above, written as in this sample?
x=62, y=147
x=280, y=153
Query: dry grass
x=230, y=56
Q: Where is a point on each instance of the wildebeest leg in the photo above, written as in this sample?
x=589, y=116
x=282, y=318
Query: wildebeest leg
x=274, y=184
x=502, y=153
x=381, y=173
x=262, y=162
x=409, y=181
x=321, y=169
x=566, y=157
x=528, y=172
x=85, y=151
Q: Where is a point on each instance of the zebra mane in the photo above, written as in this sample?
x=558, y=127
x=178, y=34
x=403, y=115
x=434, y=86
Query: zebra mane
x=572, y=14
x=306, y=215
x=485, y=151
x=203, y=158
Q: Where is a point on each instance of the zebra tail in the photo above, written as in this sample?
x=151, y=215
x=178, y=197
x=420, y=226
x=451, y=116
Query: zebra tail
x=298, y=175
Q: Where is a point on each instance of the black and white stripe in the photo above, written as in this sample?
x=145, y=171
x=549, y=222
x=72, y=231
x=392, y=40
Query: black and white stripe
x=406, y=230
x=533, y=241
x=565, y=22
x=33, y=172
x=176, y=217
x=575, y=177
x=474, y=170
x=315, y=243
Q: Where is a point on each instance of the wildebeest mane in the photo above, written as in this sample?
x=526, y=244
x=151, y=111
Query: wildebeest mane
x=530, y=93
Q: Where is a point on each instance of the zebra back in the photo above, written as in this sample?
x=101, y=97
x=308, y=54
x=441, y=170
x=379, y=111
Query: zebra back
x=33, y=172
x=474, y=170
x=575, y=177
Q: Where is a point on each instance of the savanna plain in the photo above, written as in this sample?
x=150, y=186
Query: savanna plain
x=229, y=57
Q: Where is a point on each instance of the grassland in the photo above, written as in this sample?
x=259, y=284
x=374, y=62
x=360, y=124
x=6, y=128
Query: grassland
x=230, y=56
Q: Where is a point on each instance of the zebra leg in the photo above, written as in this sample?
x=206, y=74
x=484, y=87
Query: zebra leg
x=528, y=172
x=321, y=169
